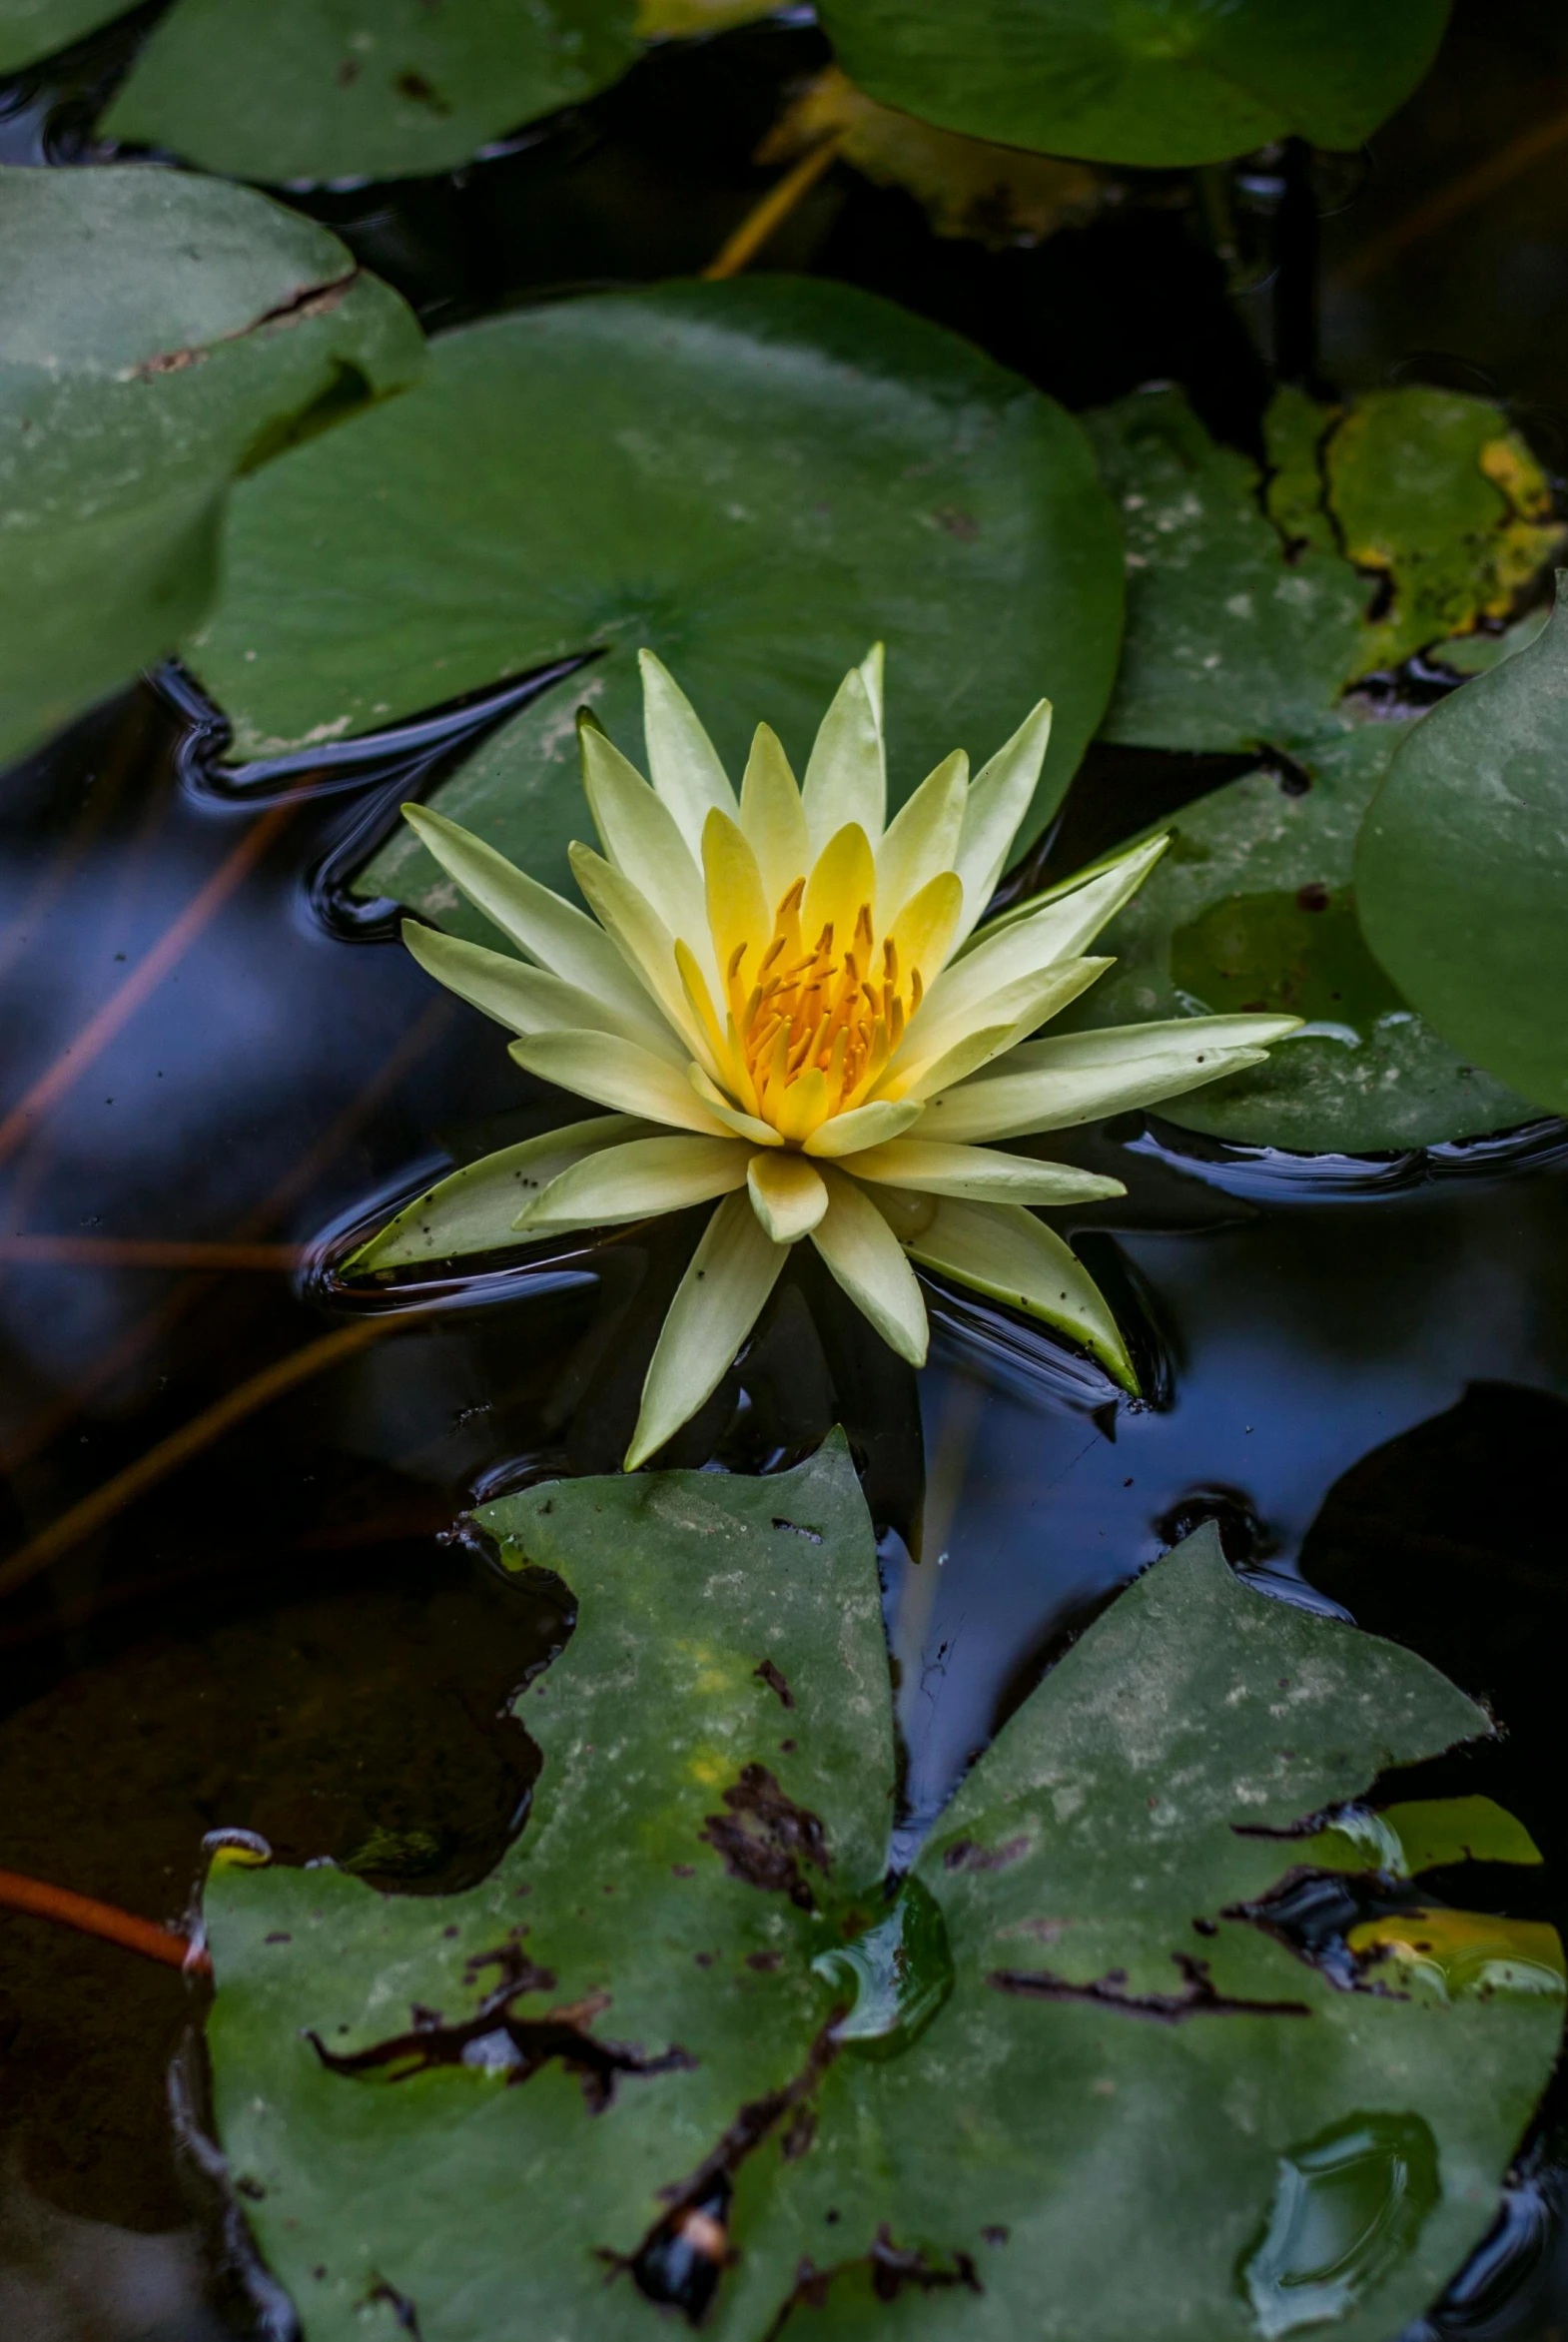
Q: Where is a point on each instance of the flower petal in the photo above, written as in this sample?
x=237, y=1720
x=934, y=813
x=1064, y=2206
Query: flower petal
x=733, y=1116
x=923, y=836
x=846, y=779
x=740, y=920
x=716, y=1305
x=1066, y=918
x=474, y=1210
x=843, y=877
x=545, y=926
x=683, y=763
x=802, y=1106
x=636, y=1182
x=787, y=1194
x=929, y=1167
x=1002, y=1251
x=644, y=943
x=773, y=818
x=642, y=840
x=1078, y=1077
x=617, y=1074
x=999, y=797
x=865, y=1257
x=863, y=1126
x=526, y=998
x=924, y=929
x=948, y=1053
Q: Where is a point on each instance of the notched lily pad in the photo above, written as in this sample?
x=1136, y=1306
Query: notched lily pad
x=164, y=334
x=681, y=2048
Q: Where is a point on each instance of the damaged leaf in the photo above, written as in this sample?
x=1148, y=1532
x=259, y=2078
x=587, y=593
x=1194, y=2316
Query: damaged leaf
x=711, y=470
x=388, y=89
x=164, y=334
x=1463, y=867
x=1156, y=82
x=682, y=2052
x=1000, y=196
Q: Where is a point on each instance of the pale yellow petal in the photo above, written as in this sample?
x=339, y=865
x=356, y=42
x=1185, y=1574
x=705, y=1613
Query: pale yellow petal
x=526, y=998
x=644, y=943
x=773, y=818
x=739, y=919
x=716, y=1305
x=864, y=1257
x=800, y=1108
x=545, y=926
x=1077, y=906
x=998, y=798
x=683, y=763
x=924, y=929
x=642, y=840
x=617, y=1074
x=786, y=1194
x=940, y=1047
x=927, y=1167
x=637, y=1180
x=923, y=836
x=863, y=1126
x=1001, y=1250
x=733, y=1116
x=846, y=780
x=1081, y=1077
x=474, y=1210
x=843, y=877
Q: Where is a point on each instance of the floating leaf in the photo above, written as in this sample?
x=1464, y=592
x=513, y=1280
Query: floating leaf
x=999, y=195
x=664, y=19
x=310, y=90
x=30, y=29
x=1252, y=908
x=1435, y=492
x=1462, y=867
x=163, y=334
x=755, y=479
x=1161, y=82
x=681, y=2043
x=1424, y=1834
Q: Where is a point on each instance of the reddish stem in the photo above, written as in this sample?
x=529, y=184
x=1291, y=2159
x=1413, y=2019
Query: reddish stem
x=91, y=1918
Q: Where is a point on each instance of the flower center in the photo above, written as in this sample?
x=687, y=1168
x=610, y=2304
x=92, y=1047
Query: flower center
x=823, y=1015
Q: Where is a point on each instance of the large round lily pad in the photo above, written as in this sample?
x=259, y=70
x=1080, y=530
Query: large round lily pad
x=30, y=29
x=1463, y=867
x=163, y=333
x=374, y=89
x=757, y=480
x=1162, y=81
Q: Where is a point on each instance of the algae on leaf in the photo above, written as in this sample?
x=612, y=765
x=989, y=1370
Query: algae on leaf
x=753, y=479
x=1156, y=82
x=1054, y=2084
x=164, y=334
x=1463, y=867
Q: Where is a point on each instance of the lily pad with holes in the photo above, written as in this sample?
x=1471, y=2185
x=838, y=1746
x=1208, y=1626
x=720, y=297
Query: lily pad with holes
x=1253, y=906
x=1463, y=867
x=1161, y=82
x=164, y=334
x=755, y=479
x=369, y=89
x=1074, y=2077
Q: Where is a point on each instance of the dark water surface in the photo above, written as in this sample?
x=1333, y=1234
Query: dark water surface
x=1359, y=1369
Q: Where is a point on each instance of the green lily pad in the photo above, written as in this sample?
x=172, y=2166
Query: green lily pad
x=371, y=89
x=1254, y=908
x=1158, y=82
x=1067, y=2079
x=756, y=479
x=30, y=29
x=1462, y=867
x=163, y=335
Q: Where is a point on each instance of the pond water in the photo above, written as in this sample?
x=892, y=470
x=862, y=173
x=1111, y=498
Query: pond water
x=1359, y=1369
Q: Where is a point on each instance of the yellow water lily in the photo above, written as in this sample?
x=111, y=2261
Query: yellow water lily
x=788, y=1004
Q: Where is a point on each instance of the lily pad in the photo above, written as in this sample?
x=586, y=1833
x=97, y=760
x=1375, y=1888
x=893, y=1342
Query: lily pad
x=30, y=29
x=369, y=89
x=1253, y=906
x=163, y=335
x=755, y=479
x=1068, y=2078
x=1159, y=82
x=1463, y=867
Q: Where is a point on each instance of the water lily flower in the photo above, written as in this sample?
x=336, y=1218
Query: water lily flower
x=789, y=1007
